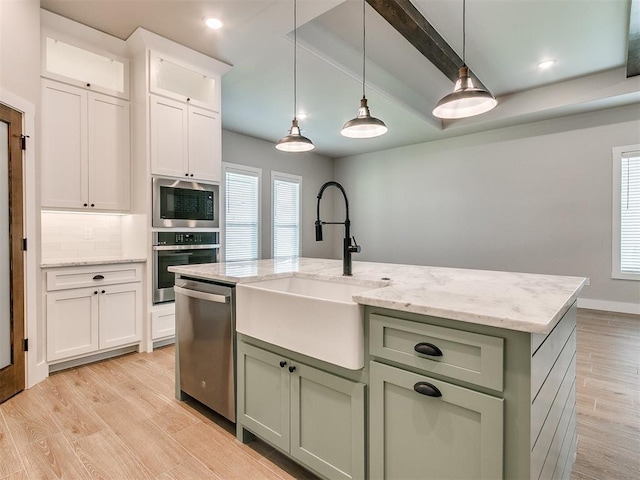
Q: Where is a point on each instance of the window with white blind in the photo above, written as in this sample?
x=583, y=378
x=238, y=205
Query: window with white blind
x=285, y=194
x=241, y=212
x=626, y=212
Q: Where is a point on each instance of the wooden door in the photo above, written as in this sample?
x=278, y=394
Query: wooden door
x=12, y=358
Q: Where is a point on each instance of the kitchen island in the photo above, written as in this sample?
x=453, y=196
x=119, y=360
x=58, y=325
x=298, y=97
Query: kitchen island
x=467, y=374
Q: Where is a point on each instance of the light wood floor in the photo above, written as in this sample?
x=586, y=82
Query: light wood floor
x=118, y=419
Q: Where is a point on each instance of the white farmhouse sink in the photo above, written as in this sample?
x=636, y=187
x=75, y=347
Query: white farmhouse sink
x=309, y=316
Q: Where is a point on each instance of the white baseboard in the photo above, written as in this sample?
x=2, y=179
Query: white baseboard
x=607, y=306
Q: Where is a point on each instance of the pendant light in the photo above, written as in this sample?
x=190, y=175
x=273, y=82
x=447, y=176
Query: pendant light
x=295, y=142
x=364, y=125
x=466, y=100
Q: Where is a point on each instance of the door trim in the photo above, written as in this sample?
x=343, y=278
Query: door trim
x=36, y=367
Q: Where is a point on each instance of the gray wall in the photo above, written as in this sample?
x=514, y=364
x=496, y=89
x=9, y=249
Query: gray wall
x=533, y=198
x=314, y=169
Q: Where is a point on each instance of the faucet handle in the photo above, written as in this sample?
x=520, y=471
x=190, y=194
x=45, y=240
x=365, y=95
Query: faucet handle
x=354, y=248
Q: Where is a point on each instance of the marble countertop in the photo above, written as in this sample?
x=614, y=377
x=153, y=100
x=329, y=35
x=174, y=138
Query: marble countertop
x=517, y=301
x=88, y=261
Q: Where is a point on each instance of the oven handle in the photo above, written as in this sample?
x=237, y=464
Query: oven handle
x=201, y=295
x=185, y=247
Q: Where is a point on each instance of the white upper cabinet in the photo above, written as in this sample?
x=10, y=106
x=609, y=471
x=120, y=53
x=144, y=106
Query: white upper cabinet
x=84, y=66
x=172, y=79
x=85, y=149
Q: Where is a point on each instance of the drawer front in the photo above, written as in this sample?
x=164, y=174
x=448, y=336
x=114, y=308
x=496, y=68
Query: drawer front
x=469, y=357
x=93, y=276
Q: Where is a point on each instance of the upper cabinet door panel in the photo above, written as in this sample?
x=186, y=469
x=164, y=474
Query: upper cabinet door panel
x=204, y=144
x=64, y=146
x=109, y=153
x=170, y=78
x=168, y=137
x=84, y=66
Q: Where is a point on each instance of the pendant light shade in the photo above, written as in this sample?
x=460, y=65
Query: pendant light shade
x=466, y=100
x=364, y=125
x=295, y=142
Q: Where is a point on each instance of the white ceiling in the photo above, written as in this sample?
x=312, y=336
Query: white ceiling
x=506, y=39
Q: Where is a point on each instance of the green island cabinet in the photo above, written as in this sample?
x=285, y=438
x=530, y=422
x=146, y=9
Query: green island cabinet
x=437, y=399
x=315, y=416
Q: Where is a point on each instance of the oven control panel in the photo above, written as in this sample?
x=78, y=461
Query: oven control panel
x=185, y=238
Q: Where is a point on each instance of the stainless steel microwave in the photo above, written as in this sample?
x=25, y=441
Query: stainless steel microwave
x=179, y=203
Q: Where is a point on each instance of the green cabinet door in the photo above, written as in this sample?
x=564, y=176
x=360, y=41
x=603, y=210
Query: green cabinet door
x=263, y=395
x=328, y=423
x=458, y=435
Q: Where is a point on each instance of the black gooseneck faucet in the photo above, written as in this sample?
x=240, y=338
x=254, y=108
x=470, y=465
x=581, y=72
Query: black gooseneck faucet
x=347, y=247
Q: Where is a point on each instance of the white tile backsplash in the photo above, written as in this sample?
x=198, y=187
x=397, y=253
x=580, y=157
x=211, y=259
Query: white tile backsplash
x=81, y=236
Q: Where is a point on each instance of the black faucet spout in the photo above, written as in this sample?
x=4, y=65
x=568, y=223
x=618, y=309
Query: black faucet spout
x=347, y=247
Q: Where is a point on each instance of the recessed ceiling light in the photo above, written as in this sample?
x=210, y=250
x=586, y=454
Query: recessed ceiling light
x=213, y=23
x=546, y=64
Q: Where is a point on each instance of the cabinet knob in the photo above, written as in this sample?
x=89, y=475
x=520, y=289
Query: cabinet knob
x=85, y=204
x=425, y=388
x=93, y=204
x=283, y=364
x=88, y=84
x=426, y=348
x=95, y=292
x=191, y=175
x=188, y=99
x=103, y=291
x=186, y=174
x=292, y=368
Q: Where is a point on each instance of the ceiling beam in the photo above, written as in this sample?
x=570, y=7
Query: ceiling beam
x=411, y=24
x=633, y=50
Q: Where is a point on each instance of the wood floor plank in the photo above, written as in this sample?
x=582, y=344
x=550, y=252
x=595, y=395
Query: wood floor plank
x=52, y=457
x=9, y=457
x=189, y=470
x=26, y=417
x=222, y=455
x=74, y=419
x=105, y=457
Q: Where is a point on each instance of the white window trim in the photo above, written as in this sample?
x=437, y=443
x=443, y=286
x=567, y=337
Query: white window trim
x=242, y=169
x=289, y=178
x=617, y=155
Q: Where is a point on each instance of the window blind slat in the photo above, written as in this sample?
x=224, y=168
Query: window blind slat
x=286, y=217
x=630, y=213
x=242, y=210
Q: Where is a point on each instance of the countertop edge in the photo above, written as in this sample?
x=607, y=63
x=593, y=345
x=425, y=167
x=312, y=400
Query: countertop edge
x=82, y=263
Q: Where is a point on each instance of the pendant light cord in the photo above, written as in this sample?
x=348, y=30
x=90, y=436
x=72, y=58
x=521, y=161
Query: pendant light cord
x=364, y=46
x=295, y=59
x=464, y=31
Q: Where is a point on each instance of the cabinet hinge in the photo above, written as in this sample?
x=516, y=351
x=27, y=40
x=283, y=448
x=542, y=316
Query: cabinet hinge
x=24, y=244
x=25, y=345
x=23, y=141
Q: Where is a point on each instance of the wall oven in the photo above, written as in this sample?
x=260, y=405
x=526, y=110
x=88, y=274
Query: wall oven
x=179, y=203
x=179, y=248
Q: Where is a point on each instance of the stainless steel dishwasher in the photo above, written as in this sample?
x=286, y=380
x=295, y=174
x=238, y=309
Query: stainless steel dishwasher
x=205, y=322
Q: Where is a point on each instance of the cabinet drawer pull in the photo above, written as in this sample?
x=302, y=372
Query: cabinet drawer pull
x=428, y=349
x=98, y=277
x=425, y=388
x=283, y=364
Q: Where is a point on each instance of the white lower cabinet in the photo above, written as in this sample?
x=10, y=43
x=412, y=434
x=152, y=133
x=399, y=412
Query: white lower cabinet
x=87, y=320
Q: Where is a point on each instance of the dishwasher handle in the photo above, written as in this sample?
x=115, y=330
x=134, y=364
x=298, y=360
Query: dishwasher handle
x=211, y=297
